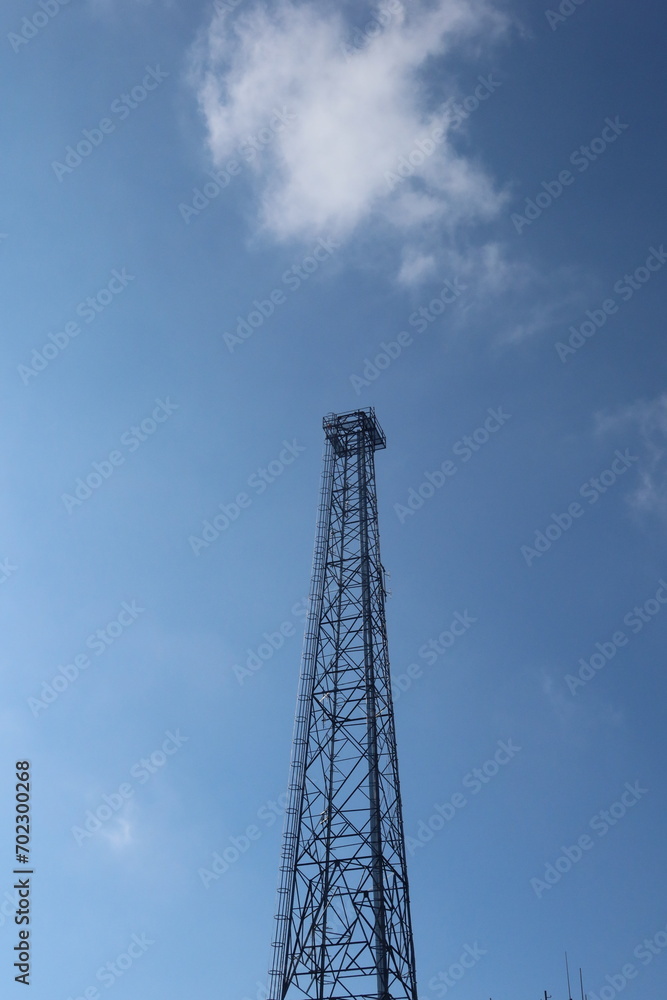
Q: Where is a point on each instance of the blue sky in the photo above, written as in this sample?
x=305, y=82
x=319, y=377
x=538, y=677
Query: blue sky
x=452, y=212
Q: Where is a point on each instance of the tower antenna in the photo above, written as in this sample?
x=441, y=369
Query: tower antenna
x=567, y=969
x=581, y=981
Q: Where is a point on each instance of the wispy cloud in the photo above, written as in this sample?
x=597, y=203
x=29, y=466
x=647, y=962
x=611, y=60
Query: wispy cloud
x=649, y=418
x=416, y=266
x=577, y=717
x=118, y=833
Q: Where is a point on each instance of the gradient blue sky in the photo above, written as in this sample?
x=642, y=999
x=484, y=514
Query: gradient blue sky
x=360, y=101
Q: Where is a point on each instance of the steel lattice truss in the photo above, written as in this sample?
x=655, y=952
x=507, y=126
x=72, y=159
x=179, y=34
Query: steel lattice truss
x=343, y=925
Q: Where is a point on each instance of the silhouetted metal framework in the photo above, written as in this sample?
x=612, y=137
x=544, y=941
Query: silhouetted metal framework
x=343, y=924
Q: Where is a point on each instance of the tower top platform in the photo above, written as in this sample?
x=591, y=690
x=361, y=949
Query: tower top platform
x=347, y=430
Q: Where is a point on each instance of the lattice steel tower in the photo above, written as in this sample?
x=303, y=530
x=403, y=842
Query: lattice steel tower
x=343, y=924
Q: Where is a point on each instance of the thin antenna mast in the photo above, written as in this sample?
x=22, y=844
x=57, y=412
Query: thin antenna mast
x=581, y=980
x=567, y=969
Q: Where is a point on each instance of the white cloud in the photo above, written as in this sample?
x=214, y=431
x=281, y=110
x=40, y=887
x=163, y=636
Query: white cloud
x=357, y=111
x=118, y=834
